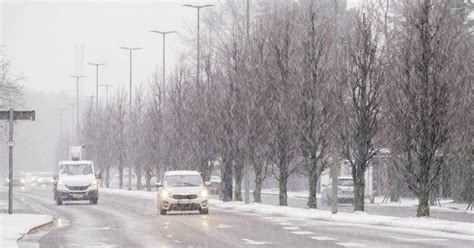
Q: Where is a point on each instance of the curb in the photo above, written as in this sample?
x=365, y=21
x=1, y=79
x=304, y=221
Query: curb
x=36, y=229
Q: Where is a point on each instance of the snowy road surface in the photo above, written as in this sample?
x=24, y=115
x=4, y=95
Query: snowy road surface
x=124, y=221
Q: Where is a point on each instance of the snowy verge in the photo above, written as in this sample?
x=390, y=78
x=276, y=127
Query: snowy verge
x=149, y=195
x=354, y=218
x=14, y=227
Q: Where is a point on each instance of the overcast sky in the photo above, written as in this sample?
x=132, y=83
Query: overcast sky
x=43, y=39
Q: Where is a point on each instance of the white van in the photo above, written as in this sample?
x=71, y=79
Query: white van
x=76, y=180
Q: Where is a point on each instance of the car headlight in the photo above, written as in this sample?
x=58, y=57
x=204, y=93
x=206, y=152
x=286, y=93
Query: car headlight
x=60, y=185
x=164, y=194
x=40, y=180
x=22, y=180
x=93, y=183
x=204, y=193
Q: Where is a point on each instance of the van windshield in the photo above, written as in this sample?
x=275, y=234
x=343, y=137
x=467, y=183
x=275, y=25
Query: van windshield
x=76, y=169
x=183, y=181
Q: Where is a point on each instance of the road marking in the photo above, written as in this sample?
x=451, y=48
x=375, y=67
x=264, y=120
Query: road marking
x=285, y=223
x=177, y=241
x=221, y=226
x=253, y=242
x=416, y=239
x=291, y=228
x=165, y=227
x=350, y=244
x=169, y=236
x=303, y=232
x=322, y=238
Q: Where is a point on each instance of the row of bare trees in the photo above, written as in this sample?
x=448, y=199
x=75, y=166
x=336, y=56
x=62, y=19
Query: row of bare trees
x=301, y=86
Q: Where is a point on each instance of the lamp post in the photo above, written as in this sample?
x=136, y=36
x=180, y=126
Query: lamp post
x=97, y=83
x=77, y=77
x=164, y=59
x=106, y=86
x=130, y=49
x=198, y=8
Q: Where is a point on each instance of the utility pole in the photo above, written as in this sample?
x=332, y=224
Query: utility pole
x=130, y=49
x=247, y=173
x=77, y=77
x=97, y=84
x=198, y=8
x=106, y=86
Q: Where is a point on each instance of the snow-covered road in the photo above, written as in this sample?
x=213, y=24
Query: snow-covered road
x=132, y=221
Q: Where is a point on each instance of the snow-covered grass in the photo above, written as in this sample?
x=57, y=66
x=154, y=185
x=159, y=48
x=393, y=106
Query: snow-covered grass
x=13, y=227
x=150, y=195
x=354, y=218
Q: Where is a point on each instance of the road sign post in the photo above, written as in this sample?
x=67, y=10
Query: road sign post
x=12, y=115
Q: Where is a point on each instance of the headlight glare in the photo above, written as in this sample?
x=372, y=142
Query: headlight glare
x=204, y=193
x=164, y=194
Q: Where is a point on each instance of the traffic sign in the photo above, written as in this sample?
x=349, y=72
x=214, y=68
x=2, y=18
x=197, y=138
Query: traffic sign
x=11, y=143
x=18, y=115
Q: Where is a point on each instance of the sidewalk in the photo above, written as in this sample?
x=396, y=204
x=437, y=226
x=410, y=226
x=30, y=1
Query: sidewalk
x=14, y=227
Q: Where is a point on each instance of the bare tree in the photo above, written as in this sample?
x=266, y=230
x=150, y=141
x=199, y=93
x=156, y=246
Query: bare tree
x=313, y=112
x=360, y=99
x=425, y=98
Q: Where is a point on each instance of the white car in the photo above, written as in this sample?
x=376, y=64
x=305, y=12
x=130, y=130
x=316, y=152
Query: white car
x=76, y=181
x=345, y=191
x=183, y=190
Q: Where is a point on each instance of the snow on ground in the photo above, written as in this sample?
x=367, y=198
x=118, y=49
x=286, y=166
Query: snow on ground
x=150, y=195
x=355, y=218
x=13, y=227
x=446, y=204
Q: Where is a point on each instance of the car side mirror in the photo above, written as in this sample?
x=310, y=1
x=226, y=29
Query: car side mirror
x=55, y=177
x=158, y=184
x=207, y=184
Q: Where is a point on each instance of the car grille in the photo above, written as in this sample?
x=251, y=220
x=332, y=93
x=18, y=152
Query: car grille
x=181, y=197
x=77, y=187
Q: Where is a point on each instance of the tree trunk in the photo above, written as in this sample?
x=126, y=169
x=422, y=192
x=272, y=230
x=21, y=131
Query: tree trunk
x=107, y=177
x=139, y=180
x=120, y=176
x=359, y=186
x=227, y=180
x=283, y=196
x=239, y=171
x=423, y=204
x=313, y=185
x=259, y=177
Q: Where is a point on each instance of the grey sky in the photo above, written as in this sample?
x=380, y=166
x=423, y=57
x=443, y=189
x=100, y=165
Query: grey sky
x=42, y=39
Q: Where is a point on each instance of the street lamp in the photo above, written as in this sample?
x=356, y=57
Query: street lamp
x=198, y=8
x=97, y=83
x=164, y=58
x=130, y=49
x=106, y=86
x=77, y=77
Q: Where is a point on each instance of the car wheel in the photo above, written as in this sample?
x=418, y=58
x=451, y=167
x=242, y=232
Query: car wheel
x=59, y=201
x=162, y=212
x=204, y=211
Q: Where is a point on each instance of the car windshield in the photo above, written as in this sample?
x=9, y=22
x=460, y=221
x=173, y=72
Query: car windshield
x=76, y=169
x=345, y=182
x=183, y=181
